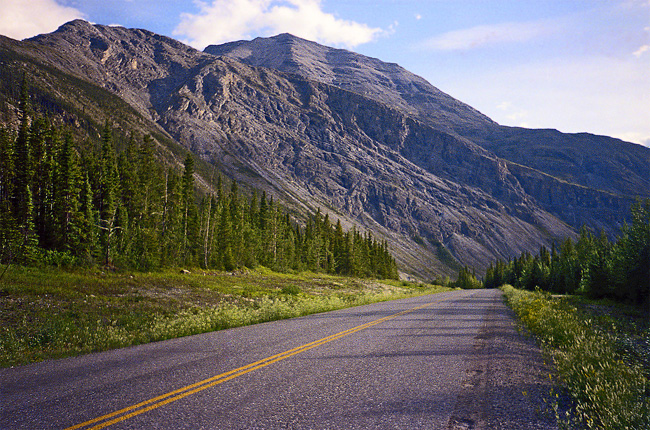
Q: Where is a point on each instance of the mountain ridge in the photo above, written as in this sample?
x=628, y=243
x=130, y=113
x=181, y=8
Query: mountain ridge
x=503, y=141
x=436, y=190
x=387, y=83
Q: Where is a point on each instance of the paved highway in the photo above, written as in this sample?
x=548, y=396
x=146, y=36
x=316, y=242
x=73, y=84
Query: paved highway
x=416, y=363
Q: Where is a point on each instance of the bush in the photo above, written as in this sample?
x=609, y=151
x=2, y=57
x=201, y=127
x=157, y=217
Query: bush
x=608, y=393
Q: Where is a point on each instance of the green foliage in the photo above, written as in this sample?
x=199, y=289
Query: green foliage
x=592, y=266
x=608, y=391
x=466, y=280
x=64, y=202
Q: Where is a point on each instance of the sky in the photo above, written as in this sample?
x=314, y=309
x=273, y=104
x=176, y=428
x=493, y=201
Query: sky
x=571, y=65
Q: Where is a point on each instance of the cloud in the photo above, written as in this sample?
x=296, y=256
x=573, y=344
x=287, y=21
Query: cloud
x=639, y=52
x=487, y=35
x=21, y=19
x=515, y=115
x=636, y=137
x=643, y=48
x=226, y=20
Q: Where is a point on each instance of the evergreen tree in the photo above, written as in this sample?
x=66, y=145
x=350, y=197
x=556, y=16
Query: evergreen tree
x=596, y=269
x=22, y=198
x=466, y=279
x=108, y=193
x=67, y=223
x=88, y=221
x=630, y=273
x=41, y=181
x=191, y=235
x=8, y=226
x=226, y=258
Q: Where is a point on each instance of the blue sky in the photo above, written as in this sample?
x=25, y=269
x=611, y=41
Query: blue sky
x=574, y=65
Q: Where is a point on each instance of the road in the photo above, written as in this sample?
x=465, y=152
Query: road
x=445, y=361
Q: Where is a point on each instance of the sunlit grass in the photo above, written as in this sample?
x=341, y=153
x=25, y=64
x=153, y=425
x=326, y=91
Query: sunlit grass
x=608, y=390
x=52, y=313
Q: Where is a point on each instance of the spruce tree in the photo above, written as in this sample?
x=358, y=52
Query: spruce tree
x=88, y=221
x=108, y=193
x=191, y=235
x=67, y=191
x=22, y=198
x=8, y=226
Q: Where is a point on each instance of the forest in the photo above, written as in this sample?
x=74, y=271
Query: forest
x=593, y=265
x=69, y=203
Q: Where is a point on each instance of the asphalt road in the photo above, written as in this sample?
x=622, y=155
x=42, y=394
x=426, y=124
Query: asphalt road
x=408, y=364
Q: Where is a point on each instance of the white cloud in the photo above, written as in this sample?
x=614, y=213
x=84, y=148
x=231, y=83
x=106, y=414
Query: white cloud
x=639, y=52
x=226, y=20
x=515, y=115
x=20, y=19
x=633, y=136
x=488, y=35
x=643, y=48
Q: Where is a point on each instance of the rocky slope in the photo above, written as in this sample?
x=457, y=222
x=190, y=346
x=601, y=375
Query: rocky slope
x=364, y=140
x=592, y=161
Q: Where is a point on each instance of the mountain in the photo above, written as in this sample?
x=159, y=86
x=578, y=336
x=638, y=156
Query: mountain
x=365, y=141
x=387, y=83
x=592, y=161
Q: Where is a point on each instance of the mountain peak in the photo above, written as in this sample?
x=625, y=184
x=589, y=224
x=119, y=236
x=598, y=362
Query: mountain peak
x=387, y=83
x=75, y=24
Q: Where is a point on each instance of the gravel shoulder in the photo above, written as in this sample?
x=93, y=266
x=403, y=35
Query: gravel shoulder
x=508, y=384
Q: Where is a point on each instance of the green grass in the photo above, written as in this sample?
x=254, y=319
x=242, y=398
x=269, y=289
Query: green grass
x=610, y=389
x=52, y=313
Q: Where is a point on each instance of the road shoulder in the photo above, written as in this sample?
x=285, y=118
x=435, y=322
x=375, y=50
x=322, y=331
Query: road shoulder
x=508, y=384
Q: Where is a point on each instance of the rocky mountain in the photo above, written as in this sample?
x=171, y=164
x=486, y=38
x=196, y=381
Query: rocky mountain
x=366, y=141
x=592, y=161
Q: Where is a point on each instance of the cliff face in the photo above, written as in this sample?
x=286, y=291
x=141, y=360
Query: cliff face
x=598, y=162
x=364, y=140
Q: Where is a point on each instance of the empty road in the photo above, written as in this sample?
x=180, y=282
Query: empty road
x=446, y=361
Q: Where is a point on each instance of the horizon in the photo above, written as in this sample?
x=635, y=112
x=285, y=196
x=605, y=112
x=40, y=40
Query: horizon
x=578, y=67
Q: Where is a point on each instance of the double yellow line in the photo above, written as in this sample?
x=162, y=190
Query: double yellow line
x=172, y=396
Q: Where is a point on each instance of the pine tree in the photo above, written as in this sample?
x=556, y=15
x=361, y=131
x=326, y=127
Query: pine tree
x=22, y=198
x=108, y=193
x=236, y=213
x=191, y=234
x=631, y=259
x=226, y=260
x=67, y=223
x=8, y=226
x=172, y=251
x=88, y=222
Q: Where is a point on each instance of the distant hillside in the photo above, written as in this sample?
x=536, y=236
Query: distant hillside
x=363, y=140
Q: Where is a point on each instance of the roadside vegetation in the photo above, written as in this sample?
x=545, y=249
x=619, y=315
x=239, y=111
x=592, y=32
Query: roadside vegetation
x=588, y=303
x=601, y=354
x=50, y=313
x=593, y=266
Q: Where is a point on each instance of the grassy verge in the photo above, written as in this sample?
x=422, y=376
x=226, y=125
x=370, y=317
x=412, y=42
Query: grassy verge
x=610, y=389
x=51, y=313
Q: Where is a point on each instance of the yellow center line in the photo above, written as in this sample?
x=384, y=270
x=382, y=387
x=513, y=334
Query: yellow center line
x=172, y=396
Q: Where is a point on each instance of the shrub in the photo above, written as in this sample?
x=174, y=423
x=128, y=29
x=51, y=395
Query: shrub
x=608, y=393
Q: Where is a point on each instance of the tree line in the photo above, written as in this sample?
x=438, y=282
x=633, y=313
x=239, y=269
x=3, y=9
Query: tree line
x=593, y=265
x=68, y=204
